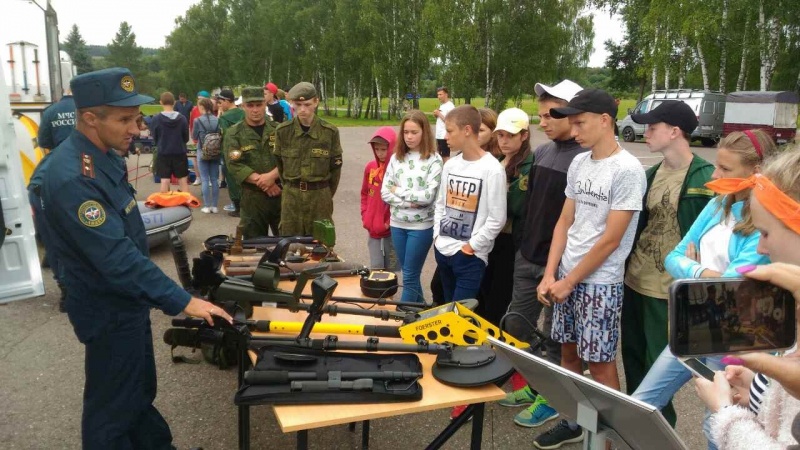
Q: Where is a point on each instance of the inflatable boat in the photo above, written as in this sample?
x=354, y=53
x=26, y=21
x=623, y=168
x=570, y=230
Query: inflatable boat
x=158, y=222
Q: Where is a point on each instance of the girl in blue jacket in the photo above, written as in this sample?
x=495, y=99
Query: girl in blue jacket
x=721, y=239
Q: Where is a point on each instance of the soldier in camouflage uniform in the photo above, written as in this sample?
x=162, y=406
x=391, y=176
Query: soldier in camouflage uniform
x=309, y=158
x=249, y=148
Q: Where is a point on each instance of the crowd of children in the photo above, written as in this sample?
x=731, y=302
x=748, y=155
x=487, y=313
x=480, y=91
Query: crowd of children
x=575, y=231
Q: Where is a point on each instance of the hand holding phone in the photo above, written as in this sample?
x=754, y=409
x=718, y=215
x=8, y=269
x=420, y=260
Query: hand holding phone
x=716, y=394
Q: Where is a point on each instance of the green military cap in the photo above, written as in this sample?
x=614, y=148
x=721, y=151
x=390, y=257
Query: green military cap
x=302, y=91
x=252, y=94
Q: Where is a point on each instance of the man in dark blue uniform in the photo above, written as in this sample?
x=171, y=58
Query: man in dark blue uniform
x=111, y=283
x=57, y=123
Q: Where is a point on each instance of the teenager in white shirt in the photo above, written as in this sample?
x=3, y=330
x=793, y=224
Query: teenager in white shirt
x=445, y=107
x=593, y=237
x=410, y=187
x=471, y=207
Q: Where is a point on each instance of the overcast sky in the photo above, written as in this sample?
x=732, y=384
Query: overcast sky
x=152, y=21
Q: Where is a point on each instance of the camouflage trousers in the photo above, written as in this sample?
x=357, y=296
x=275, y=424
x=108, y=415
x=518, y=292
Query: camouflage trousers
x=260, y=214
x=302, y=208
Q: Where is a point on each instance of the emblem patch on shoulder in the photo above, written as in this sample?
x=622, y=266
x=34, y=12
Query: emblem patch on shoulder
x=126, y=83
x=235, y=155
x=91, y=214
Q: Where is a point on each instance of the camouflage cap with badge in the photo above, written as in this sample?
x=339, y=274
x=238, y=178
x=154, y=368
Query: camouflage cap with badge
x=113, y=87
x=252, y=94
x=302, y=91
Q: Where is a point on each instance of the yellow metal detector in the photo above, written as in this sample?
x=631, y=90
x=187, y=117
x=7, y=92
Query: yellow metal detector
x=452, y=323
x=455, y=324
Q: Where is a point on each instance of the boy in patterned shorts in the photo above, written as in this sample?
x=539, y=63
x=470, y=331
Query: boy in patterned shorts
x=593, y=237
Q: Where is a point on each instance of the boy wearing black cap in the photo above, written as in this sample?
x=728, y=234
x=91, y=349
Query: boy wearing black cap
x=110, y=281
x=674, y=198
x=591, y=240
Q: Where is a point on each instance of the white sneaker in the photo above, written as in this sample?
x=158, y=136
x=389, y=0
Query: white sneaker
x=196, y=182
x=230, y=207
x=214, y=210
x=205, y=209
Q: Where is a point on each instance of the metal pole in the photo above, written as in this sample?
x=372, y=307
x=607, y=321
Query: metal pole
x=11, y=62
x=25, y=87
x=53, y=57
x=36, y=66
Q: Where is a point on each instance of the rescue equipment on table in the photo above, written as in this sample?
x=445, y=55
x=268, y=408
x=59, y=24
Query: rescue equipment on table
x=379, y=284
x=470, y=365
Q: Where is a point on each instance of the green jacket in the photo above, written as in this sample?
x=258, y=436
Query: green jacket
x=230, y=118
x=247, y=152
x=693, y=198
x=517, y=190
x=311, y=156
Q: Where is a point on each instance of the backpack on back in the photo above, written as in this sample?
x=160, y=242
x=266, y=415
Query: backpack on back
x=212, y=144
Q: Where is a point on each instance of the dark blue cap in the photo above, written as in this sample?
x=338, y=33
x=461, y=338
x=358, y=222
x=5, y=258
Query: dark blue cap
x=113, y=87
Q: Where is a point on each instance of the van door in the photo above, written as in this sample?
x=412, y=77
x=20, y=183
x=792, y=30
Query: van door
x=719, y=125
x=20, y=273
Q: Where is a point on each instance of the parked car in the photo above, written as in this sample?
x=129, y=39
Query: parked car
x=709, y=106
x=772, y=111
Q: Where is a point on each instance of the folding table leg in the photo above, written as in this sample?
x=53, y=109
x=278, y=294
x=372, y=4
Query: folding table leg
x=477, y=426
x=302, y=440
x=365, y=435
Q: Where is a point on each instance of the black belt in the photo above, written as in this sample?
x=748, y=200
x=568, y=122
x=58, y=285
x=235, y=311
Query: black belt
x=307, y=185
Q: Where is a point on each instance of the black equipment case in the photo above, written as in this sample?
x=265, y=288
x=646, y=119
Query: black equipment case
x=287, y=358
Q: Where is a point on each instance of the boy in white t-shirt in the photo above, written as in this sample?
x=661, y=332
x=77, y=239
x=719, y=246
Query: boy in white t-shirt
x=592, y=239
x=470, y=208
x=440, y=113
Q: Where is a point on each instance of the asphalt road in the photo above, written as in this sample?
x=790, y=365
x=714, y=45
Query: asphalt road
x=41, y=361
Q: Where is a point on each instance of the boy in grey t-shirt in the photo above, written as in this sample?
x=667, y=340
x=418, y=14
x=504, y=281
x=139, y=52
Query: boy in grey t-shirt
x=594, y=235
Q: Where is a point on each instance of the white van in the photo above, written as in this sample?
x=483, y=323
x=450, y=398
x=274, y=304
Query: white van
x=20, y=273
x=709, y=106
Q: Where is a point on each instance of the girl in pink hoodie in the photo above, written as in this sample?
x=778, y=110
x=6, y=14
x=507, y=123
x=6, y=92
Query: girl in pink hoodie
x=374, y=212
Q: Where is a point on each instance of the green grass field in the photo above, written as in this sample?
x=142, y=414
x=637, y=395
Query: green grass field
x=427, y=105
x=149, y=110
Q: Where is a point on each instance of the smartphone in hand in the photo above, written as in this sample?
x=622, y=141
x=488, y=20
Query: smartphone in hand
x=697, y=368
x=710, y=316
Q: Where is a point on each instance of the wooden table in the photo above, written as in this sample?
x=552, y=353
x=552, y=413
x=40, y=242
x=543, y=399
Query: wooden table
x=436, y=395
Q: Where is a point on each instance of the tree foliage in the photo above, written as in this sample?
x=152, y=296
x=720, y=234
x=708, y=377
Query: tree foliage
x=722, y=45
x=365, y=51
x=123, y=50
x=76, y=48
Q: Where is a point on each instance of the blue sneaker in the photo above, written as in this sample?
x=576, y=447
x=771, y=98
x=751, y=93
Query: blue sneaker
x=537, y=414
x=520, y=397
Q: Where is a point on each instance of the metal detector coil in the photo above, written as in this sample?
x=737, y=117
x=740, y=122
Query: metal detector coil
x=471, y=365
x=379, y=284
